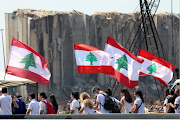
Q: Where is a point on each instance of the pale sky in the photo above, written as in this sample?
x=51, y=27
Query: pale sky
x=85, y=6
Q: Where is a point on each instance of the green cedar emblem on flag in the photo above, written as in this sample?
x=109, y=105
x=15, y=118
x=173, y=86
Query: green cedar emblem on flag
x=122, y=63
x=152, y=68
x=91, y=58
x=28, y=61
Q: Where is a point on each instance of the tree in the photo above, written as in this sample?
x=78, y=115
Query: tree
x=91, y=58
x=122, y=63
x=28, y=61
x=152, y=68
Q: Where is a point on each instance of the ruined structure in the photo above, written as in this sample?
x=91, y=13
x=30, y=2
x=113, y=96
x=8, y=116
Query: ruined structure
x=51, y=33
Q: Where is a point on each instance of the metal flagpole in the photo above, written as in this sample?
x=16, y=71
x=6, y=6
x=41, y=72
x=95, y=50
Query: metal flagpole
x=3, y=55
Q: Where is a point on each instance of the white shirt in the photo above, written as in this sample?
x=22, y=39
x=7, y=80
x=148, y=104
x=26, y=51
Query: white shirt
x=126, y=104
x=86, y=110
x=74, y=106
x=138, y=102
x=101, y=99
x=165, y=102
x=176, y=102
x=34, y=107
x=43, y=106
x=5, y=103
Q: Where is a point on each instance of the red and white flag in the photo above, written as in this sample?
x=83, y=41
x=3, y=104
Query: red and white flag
x=92, y=60
x=157, y=67
x=126, y=66
x=25, y=62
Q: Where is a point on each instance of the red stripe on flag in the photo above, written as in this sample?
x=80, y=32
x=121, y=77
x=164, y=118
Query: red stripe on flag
x=85, y=47
x=18, y=43
x=94, y=69
x=123, y=79
x=152, y=57
x=115, y=44
x=26, y=74
x=162, y=81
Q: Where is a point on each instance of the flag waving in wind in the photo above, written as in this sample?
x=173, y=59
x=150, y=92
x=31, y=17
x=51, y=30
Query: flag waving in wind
x=157, y=67
x=25, y=62
x=92, y=60
x=126, y=66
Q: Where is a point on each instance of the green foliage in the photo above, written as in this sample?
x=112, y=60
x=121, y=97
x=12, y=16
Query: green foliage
x=152, y=68
x=91, y=58
x=29, y=61
x=122, y=63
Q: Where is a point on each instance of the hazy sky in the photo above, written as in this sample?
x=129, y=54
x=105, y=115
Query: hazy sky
x=85, y=6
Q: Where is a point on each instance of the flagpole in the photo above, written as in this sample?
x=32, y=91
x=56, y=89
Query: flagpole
x=3, y=55
x=37, y=90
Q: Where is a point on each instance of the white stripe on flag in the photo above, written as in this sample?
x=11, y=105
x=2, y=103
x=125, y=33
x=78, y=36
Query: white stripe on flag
x=133, y=65
x=103, y=58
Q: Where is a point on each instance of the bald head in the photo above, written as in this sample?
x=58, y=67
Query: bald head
x=177, y=92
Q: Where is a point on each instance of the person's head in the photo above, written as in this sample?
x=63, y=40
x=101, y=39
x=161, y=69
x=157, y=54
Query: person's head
x=177, y=92
x=172, y=92
x=166, y=91
x=52, y=100
x=19, y=97
x=125, y=92
x=96, y=89
x=138, y=93
x=85, y=98
x=4, y=90
x=31, y=96
x=75, y=94
x=109, y=92
x=41, y=95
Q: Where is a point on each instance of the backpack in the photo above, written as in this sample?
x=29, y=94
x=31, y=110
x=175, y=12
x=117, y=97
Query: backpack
x=50, y=109
x=109, y=104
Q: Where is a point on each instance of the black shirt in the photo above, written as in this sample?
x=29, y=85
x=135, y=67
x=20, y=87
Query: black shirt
x=171, y=100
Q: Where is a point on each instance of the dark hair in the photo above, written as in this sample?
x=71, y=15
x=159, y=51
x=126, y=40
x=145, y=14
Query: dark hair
x=43, y=94
x=4, y=89
x=140, y=95
x=32, y=95
x=53, y=101
x=128, y=97
x=75, y=94
x=19, y=96
x=96, y=88
x=108, y=91
x=172, y=92
x=166, y=90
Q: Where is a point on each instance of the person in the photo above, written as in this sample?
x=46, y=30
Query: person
x=166, y=91
x=74, y=105
x=42, y=106
x=5, y=102
x=109, y=93
x=33, y=108
x=100, y=100
x=53, y=102
x=176, y=105
x=86, y=104
x=171, y=99
x=14, y=104
x=22, y=106
x=126, y=100
x=138, y=103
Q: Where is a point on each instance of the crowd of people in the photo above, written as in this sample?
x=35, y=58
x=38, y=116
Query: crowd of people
x=103, y=102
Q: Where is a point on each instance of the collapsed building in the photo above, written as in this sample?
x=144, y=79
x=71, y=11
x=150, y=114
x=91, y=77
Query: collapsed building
x=51, y=33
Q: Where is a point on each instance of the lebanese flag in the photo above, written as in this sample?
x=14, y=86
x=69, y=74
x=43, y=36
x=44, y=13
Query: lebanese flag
x=25, y=62
x=92, y=60
x=126, y=66
x=157, y=67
